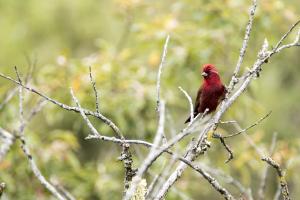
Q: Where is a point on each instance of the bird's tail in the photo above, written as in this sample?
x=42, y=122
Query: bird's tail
x=189, y=119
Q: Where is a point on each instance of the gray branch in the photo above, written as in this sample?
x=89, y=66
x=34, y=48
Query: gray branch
x=95, y=90
x=66, y=107
x=234, y=79
x=161, y=65
x=26, y=150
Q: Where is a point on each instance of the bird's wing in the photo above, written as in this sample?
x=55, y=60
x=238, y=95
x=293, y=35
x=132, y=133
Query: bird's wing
x=197, y=102
x=224, y=91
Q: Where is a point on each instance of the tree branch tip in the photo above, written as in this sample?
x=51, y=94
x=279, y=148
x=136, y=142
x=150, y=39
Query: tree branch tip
x=89, y=137
x=230, y=158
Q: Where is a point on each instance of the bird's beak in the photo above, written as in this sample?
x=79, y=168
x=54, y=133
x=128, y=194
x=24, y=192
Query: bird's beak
x=204, y=74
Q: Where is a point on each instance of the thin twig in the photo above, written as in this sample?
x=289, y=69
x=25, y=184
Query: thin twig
x=95, y=89
x=126, y=156
x=39, y=106
x=234, y=79
x=8, y=96
x=161, y=65
x=216, y=185
x=26, y=150
x=190, y=103
x=160, y=179
x=64, y=192
x=262, y=187
x=228, y=179
x=11, y=93
x=285, y=36
x=222, y=138
x=8, y=141
x=227, y=122
x=66, y=107
x=280, y=173
x=278, y=192
x=230, y=152
x=152, y=185
x=249, y=127
x=272, y=163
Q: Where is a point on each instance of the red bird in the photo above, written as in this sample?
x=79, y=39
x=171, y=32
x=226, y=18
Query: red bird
x=211, y=92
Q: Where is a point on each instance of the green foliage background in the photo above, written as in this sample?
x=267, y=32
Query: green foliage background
x=122, y=40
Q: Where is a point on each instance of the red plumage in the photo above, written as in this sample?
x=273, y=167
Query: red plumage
x=211, y=92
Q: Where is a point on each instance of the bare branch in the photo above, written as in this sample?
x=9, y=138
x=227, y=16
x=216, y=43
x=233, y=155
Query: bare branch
x=66, y=107
x=92, y=128
x=262, y=187
x=160, y=178
x=8, y=140
x=249, y=127
x=216, y=185
x=272, y=163
x=151, y=155
x=283, y=183
x=227, y=122
x=11, y=93
x=286, y=35
x=211, y=181
x=26, y=150
x=190, y=102
x=163, y=57
x=234, y=79
x=228, y=179
x=230, y=152
x=126, y=157
x=39, y=106
x=8, y=96
x=152, y=185
x=278, y=192
x=95, y=90
x=64, y=192
x=38, y=173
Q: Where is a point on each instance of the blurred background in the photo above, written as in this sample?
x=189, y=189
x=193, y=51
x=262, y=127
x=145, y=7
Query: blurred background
x=122, y=41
